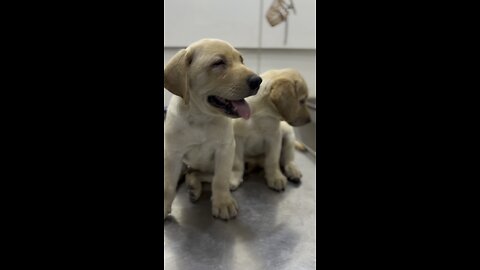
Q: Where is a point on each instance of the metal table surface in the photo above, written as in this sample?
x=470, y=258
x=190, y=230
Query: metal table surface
x=272, y=231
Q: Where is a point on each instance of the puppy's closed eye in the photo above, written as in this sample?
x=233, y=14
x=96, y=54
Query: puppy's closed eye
x=219, y=63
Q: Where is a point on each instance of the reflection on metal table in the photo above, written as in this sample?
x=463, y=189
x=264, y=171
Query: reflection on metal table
x=272, y=231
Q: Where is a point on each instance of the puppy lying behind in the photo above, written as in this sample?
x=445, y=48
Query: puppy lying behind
x=210, y=82
x=265, y=139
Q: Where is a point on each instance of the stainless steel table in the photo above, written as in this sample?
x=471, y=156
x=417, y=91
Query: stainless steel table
x=273, y=230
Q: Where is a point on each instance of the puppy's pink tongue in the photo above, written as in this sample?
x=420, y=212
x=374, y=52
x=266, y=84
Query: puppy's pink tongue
x=242, y=108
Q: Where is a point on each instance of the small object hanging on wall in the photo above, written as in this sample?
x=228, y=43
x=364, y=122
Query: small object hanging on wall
x=278, y=12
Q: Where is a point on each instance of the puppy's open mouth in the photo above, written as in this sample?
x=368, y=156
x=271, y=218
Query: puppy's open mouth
x=232, y=108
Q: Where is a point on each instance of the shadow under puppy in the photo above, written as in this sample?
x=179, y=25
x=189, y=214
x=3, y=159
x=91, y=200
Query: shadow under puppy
x=210, y=82
x=267, y=139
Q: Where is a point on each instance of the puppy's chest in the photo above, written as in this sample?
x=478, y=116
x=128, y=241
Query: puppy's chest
x=201, y=137
x=200, y=156
x=255, y=144
x=201, y=150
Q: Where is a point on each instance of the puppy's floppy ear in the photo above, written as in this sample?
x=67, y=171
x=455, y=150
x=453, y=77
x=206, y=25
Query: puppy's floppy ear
x=175, y=74
x=282, y=94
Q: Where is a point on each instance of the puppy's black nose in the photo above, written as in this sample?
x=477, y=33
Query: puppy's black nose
x=254, y=82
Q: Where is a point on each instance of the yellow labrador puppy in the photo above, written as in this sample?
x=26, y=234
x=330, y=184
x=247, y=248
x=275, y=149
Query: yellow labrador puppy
x=210, y=82
x=266, y=139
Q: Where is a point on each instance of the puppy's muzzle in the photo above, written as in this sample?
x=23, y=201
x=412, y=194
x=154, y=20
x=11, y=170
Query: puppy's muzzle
x=254, y=82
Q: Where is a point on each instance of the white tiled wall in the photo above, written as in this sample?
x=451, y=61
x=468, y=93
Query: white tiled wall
x=266, y=59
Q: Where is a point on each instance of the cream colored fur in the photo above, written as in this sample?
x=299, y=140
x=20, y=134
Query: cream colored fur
x=197, y=134
x=267, y=138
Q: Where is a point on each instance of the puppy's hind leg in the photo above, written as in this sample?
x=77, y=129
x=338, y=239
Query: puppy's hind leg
x=194, y=183
x=183, y=175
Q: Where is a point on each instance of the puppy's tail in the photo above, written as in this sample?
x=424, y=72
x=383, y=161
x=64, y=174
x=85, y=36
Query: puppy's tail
x=300, y=146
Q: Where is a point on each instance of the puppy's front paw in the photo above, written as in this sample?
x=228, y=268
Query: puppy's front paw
x=194, y=187
x=224, y=207
x=277, y=182
x=194, y=192
x=293, y=173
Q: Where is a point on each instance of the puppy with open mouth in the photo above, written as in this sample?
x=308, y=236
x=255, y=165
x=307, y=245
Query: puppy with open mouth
x=209, y=81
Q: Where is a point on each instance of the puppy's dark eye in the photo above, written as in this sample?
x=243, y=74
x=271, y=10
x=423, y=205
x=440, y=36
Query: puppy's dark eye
x=219, y=62
x=302, y=101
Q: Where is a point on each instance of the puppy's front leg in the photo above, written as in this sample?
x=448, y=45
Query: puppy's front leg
x=287, y=157
x=172, y=169
x=275, y=179
x=224, y=205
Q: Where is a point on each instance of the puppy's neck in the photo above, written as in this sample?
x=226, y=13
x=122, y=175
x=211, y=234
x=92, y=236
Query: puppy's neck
x=262, y=108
